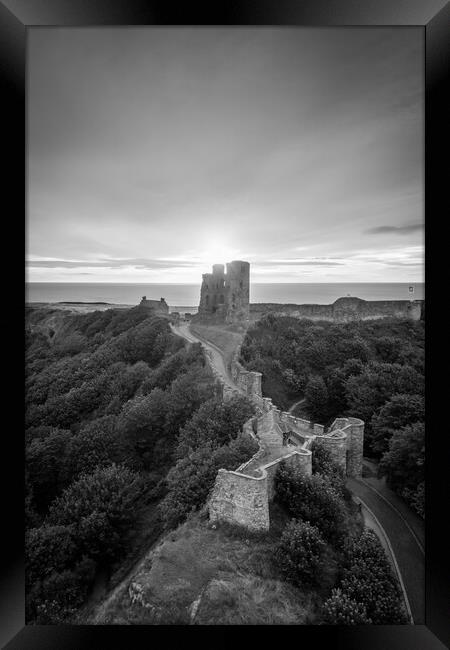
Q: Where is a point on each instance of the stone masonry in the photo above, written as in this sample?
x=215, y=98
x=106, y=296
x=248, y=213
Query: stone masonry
x=243, y=496
x=225, y=296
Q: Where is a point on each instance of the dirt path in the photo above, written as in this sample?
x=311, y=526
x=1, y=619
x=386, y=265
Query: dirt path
x=295, y=404
x=215, y=354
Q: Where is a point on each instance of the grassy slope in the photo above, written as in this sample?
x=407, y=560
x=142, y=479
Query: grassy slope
x=225, y=338
x=213, y=575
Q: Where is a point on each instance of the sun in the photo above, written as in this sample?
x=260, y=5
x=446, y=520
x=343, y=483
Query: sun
x=218, y=251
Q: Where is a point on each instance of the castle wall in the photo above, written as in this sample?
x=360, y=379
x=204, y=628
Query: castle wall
x=336, y=444
x=248, y=380
x=343, y=310
x=240, y=499
x=355, y=443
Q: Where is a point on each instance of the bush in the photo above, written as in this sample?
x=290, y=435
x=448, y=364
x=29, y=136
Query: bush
x=56, y=599
x=300, y=553
x=323, y=464
x=313, y=499
x=368, y=579
x=339, y=609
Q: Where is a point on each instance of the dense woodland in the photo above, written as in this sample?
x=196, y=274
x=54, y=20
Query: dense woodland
x=373, y=370
x=125, y=429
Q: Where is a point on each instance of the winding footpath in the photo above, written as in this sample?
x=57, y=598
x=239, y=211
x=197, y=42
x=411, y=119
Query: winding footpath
x=399, y=528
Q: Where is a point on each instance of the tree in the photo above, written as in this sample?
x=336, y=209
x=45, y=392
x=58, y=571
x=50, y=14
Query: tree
x=404, y=462
x=215, y=422
x=48, y=549
x=96, y=444
x=47, y=464
x=377, y=384
x=301, y=552
x=396, y=413
x=142, y=423
x=316, y=395
x=99, y=507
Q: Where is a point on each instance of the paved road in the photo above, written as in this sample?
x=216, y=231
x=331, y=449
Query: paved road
x=404, y=533
x=407, y=549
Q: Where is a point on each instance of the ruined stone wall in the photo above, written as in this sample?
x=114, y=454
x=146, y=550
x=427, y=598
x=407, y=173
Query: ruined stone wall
x=156, y=305
x=240, y=499
x=249, y=381
x=343, y=310
x=336, y=444
x=355, y=443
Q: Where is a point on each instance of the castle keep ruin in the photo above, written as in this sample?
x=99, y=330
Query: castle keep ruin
x=225, y=296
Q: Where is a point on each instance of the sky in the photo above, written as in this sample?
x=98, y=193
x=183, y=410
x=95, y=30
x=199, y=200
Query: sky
x=155, y=152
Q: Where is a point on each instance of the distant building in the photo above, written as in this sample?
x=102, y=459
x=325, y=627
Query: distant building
x=226, y=295
x=157, y=305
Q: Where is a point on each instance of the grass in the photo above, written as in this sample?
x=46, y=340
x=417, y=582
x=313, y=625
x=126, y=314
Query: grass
x=213, y=575
x=224, y=337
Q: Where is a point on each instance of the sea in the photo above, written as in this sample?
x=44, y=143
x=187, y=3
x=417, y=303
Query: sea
x=185, y=297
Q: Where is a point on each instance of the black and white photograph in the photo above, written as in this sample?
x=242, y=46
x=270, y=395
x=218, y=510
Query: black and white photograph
x=224, y=324
x=225, y=318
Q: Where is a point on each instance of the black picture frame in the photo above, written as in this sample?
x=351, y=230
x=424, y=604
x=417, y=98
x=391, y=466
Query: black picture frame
x=16, y=17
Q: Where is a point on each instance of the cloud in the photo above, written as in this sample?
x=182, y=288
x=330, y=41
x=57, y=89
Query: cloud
x=397, y=230
x=149, y=264
x=315, y=261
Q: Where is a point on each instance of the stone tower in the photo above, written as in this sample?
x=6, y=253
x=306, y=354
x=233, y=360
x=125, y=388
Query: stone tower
x=237, y=286
x=225, y=296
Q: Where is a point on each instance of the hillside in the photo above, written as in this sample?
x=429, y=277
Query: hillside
x=108, y=393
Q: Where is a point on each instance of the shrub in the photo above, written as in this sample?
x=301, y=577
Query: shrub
x=313, y=499
x=368, y=580
x=339, y=609
x=323, y=464
x=300, y=552
x=56, y=599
